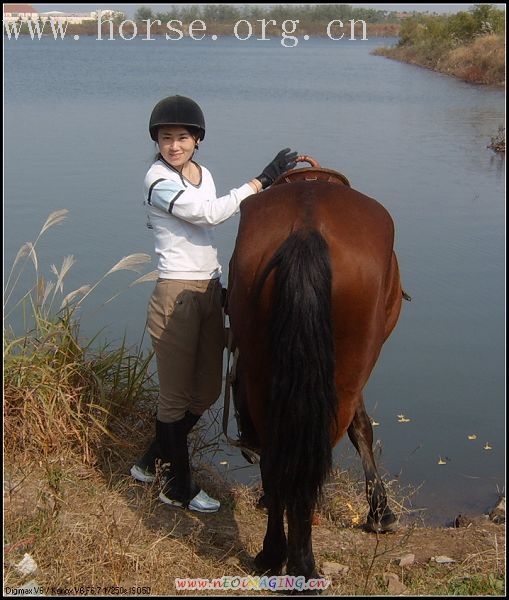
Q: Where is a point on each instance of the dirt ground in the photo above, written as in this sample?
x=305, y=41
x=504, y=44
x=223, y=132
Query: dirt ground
x=93, y=529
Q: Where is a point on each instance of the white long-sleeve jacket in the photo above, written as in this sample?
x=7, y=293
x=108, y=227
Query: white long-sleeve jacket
x=183, y=217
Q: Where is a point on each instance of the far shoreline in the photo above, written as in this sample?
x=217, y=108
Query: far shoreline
x=482, y=62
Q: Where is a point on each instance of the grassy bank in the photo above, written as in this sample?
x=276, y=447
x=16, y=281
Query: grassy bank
x=75, y=417
x=468, y=45
x=481, y=61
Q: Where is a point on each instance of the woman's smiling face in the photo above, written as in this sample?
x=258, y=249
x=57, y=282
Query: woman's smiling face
x=176, y=145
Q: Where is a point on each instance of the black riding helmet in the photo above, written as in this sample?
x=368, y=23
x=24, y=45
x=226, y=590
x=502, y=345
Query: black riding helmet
x=177, y=110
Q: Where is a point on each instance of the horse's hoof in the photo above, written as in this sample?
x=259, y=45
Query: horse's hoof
x=306, y=592
x=315, y=590
x=264, y=565
x=388, y=523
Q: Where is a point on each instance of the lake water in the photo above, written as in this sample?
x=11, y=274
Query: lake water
x=76, y=137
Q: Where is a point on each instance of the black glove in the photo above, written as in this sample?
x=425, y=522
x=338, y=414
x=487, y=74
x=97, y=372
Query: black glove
x=284, y=161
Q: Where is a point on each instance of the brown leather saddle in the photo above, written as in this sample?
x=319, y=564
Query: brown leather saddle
x=313, y=173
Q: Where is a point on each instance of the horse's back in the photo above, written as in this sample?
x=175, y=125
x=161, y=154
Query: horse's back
x=339, y=213
x=358, y=230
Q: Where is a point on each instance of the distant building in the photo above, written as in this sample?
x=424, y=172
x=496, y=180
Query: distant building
x=13, y=12
x=25, y=12
x=74, y=18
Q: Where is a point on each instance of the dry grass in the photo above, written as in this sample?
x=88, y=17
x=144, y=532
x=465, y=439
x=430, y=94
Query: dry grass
x=63, y=398
x=482, y=61
x=344, y=501
x=94, y=526
x=86, y=526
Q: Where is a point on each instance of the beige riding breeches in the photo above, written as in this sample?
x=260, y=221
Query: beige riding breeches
x=185, y=323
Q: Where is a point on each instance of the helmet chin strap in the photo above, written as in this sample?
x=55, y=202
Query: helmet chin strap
x=196, y=144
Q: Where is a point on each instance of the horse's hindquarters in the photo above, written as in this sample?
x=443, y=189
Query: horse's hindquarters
x=313, y=293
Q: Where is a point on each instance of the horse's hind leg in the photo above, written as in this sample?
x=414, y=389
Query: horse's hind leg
x=274, y=553
x=300, y=550
x=380, y=517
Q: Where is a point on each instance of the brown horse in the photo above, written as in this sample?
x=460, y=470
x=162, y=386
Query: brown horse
x=313, y=293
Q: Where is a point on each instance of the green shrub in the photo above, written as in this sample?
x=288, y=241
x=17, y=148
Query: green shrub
x=452, y=30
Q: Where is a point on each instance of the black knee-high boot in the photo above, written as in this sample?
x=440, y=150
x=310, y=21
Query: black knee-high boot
x=190, y=421
x=144, y=469
x=172, y=441
x=147, y=463
x=178, y=488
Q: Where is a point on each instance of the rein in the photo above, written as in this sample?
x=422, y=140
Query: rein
x=229, y=380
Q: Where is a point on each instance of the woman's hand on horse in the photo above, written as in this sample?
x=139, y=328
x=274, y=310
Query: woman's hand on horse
x=284, y=161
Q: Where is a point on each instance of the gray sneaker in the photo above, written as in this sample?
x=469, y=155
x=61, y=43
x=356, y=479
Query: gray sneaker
x=143, y=475
x=202, y=502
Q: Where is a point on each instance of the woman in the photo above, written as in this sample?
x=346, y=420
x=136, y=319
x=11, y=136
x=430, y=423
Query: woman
x=184, y=315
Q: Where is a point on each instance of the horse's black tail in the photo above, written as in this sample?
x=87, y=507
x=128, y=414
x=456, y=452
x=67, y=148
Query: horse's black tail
x=297, y=454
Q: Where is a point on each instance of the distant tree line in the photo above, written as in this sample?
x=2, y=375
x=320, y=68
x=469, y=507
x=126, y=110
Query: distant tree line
x=225, y=13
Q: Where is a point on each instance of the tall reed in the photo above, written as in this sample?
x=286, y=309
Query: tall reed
x=61, y=393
